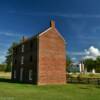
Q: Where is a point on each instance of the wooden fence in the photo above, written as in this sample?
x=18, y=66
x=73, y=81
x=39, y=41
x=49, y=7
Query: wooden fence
x=84, y=80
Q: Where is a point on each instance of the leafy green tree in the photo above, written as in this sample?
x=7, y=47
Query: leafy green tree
x=9, y=57
x=98, y=64
x=68, y=62
x=90, y=64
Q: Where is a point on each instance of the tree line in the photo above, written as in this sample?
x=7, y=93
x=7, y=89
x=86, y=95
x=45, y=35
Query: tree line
x=7, y=64
x=91, y=64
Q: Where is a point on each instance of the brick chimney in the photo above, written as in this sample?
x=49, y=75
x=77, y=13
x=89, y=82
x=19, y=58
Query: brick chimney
x=52, y=24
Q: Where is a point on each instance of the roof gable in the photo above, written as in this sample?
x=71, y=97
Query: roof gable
x=54, y=30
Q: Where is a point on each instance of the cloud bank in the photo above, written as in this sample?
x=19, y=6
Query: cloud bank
x=92, y=53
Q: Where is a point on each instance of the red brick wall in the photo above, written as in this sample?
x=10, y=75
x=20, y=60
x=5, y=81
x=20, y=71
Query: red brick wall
x=52, y=58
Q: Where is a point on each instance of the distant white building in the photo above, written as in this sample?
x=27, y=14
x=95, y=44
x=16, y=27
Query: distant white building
x=77, y=67
x=81, y=67
x=93, y=71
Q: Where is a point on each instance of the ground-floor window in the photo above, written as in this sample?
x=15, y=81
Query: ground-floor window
x=30, y=74
x=14, y=74
x=21, y=74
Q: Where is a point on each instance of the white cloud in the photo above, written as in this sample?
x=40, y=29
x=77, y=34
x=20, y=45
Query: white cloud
x=11, y=34
x=92, y=53
x=73, y=58
x=67, y=15
x=77, y=53
x=79, y=15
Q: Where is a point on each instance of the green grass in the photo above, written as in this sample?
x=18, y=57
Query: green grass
x=16, y=91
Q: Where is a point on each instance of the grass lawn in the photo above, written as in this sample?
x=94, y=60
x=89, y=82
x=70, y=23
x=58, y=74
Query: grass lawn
x=17, y=91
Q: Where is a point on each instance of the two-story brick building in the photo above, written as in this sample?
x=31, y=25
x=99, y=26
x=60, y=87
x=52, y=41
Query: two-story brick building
x=41, y=59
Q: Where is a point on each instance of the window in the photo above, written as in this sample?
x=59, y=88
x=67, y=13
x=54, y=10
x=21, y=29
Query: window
x=22, y=60
x=21, y=74
x=30, y=74
x=15, y=51
x=31, y=58
x=14, y=74
x=15, y=61
x=23, y=48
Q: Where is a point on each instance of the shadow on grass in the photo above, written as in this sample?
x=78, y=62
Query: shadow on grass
x=9, y=81
x=13, y=81
x=98, y=86
x=84, y=87
x=6, y=80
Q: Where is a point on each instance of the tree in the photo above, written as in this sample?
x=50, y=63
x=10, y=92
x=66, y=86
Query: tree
x=98, y=64
x=68, y=62
x=90, y=64
x=8, y=60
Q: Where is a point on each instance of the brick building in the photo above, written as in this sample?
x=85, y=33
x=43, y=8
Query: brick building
x=41, y=59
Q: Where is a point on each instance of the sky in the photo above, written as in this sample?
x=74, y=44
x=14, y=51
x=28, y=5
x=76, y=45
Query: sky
x=78, y=21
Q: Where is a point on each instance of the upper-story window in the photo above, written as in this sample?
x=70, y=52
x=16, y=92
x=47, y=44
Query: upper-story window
x=31, y=58
x=15, y=51
x=15, y=61
x=23, y=48
x=22, y=60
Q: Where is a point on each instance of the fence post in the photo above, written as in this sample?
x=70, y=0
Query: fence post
x=98, y=81
x=88, y=80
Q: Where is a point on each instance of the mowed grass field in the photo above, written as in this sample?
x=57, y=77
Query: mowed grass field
x=18, y=91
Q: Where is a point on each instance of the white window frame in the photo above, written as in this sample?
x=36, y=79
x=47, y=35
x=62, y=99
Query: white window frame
x=22, y=60
x=30, y=74
x=23, y=48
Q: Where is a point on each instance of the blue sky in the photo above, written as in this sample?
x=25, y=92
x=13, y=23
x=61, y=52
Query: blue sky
x=77, y=20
